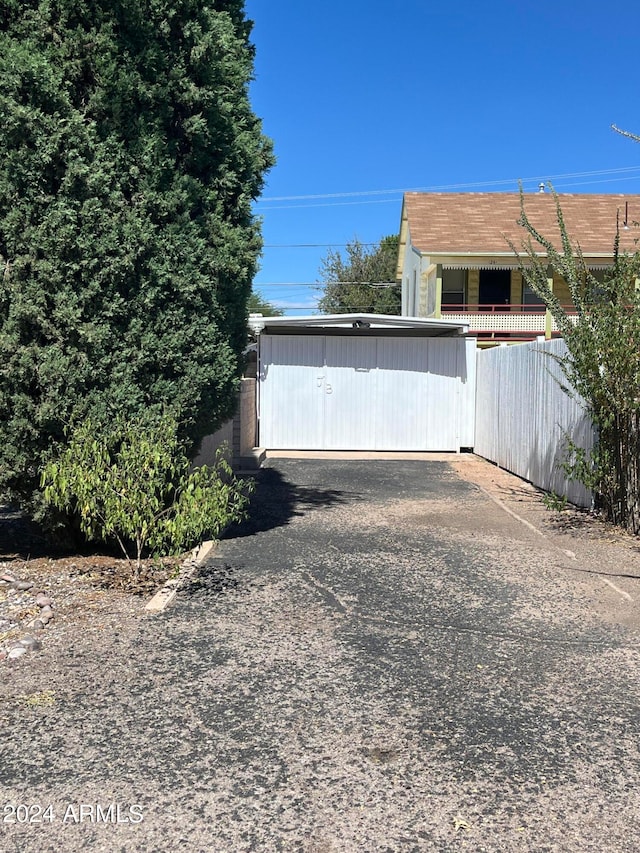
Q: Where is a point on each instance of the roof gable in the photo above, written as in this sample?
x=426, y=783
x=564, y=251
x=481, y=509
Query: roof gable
x=484, y=223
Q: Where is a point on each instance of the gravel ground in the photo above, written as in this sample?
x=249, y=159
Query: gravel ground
x=389, y=656
x=44, y=590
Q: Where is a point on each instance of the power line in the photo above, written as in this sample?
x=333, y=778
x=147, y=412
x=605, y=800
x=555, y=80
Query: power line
x=605, y=181
x=315, y=245
x=442, y=187
x=333, y=204
x=323, y=284
x=628, y=177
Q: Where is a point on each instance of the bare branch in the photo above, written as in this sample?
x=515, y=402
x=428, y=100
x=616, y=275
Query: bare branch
x=625, y=133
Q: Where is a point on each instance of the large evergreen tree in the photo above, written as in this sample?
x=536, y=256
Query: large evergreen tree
x=129, y=158
x=363, y=280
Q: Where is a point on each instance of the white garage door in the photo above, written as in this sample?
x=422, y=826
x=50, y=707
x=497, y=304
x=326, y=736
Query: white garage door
x=321, y=392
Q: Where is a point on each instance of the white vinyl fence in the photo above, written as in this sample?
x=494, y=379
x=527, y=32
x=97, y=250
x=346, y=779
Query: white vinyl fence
x=523, y=415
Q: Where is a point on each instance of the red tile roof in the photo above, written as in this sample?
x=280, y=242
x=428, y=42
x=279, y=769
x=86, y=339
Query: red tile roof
x=481, y=223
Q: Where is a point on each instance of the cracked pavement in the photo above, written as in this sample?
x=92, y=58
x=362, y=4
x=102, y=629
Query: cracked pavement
x=380, y=659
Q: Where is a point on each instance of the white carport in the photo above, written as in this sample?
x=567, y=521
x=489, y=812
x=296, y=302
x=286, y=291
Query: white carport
x=365, y=382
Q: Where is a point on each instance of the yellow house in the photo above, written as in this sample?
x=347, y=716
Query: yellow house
x=455, y=261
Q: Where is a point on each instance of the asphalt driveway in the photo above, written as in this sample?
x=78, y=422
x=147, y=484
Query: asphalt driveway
x=380, y=659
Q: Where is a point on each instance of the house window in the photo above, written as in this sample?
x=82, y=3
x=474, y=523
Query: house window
x=495, y=287
x=601, y=276
x=454, y=287
x=530, y=300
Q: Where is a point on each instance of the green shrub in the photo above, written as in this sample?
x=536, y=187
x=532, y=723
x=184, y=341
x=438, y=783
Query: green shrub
x=129, y=481
x=554, y=502
x=602, y=364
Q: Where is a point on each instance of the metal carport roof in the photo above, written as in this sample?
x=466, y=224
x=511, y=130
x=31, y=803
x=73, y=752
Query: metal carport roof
x=362, y=323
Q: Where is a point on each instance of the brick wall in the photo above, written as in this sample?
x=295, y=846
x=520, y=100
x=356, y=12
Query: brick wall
x=238, y=434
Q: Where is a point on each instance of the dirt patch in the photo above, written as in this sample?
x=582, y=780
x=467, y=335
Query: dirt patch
x=81, y=587
x=475, y=469
x=27, y=553
x=512, y=490
x=606, y=557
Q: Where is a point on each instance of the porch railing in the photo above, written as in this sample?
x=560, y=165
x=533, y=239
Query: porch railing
x=524, y=319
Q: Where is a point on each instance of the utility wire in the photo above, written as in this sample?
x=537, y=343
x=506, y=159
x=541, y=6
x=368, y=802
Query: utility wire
x=316, y=245
x=333, y=204
x=324, y=284
x=442, y=187
x=395, y=200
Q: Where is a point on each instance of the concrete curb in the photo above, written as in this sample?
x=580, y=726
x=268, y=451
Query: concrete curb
x=253, y=460
x=165, y=595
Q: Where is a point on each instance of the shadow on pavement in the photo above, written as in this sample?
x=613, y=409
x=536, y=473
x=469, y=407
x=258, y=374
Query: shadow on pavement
x=213, y=580
x=276, y=501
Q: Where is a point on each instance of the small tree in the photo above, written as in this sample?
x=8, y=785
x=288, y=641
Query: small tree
x=259, y=305
x=363, y=281
x=130, y=482
x=602, y=363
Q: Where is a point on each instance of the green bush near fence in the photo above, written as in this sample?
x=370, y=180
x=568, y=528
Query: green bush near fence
x=602, y=364
x=129, y=482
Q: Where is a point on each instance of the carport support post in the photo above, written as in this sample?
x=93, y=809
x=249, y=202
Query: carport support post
x=438, y=311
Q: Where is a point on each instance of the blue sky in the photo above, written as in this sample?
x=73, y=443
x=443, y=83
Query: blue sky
x=366, y=99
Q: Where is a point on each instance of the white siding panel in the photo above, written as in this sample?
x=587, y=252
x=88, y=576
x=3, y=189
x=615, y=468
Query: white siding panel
x=292, y=391
x=366, y=393
x=350, y=393
x=467, y=368
x=442, y=396
x=523, y=415
x=401, y=410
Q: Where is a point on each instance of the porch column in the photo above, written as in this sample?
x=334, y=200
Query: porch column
x=515, y=297
x=472, y=296
x=547, y=314
x=438, y=311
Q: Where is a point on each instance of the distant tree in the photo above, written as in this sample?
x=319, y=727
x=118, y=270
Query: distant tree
x=258, y=305
x=129, y=159
x=364, y=280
